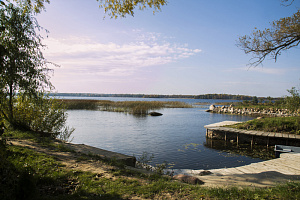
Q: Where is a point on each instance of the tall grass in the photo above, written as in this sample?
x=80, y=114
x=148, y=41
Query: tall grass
x=78, y=104
x=132, y=107
x=273, y=124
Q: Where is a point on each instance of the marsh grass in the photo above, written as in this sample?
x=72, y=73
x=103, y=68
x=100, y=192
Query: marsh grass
x=131, y=107
x=272, y=124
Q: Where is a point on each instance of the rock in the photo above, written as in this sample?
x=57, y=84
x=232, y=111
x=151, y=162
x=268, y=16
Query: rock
x=204, y=173
x=212, y=107
x=188, y=179
x=155, y=114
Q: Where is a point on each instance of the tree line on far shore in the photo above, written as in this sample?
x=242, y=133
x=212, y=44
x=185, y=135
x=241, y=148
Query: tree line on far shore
x=202, y=96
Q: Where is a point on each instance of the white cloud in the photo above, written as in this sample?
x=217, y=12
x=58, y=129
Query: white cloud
x=111, y=59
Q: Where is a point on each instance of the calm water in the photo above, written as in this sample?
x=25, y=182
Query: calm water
x=177, y=137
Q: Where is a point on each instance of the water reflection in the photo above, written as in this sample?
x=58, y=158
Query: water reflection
x=256, y=151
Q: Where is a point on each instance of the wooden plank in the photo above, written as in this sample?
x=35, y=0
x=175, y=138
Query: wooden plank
x=284, y=135
x=223, y=123
x=292, y=136
x=279, y=135
x=297, y=137
x=271, y=134
x=265, y=134
x=224, y=129
x=234, y=130
x=251, y=132
x=243, y=131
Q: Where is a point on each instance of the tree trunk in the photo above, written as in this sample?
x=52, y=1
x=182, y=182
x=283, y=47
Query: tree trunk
x=10, y=103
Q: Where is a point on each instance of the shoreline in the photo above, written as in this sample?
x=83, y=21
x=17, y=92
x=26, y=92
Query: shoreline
x=242, y=176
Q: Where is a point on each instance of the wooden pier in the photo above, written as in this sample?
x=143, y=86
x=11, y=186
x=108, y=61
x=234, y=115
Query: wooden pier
x=218, y=131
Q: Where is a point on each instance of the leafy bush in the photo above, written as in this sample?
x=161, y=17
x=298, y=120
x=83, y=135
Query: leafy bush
x=293, y=102
x=41, y=114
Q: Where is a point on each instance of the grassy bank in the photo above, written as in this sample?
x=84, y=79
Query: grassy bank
x=132, y=107
x=32, y=174
x=272, y=124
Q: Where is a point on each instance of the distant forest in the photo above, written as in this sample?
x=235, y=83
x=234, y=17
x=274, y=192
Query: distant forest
x=202, y=96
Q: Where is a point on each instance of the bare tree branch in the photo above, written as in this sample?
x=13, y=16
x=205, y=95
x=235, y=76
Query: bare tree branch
x=283, y=35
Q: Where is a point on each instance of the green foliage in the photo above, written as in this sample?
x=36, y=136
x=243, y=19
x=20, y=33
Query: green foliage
x=36, y=5
x=23, y=68
x=114, y=8
x=78, y=104
x=293, y=102
x=144, y=161
x=41, y=114
x=121, y=8
x=255, y=100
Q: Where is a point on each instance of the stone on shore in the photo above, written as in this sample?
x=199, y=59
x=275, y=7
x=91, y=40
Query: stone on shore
x=212, y=107
x=188, y=179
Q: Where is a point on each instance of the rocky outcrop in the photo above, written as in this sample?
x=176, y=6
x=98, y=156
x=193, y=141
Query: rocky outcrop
x=188, y=179
x=155, y=114
x=252, y=111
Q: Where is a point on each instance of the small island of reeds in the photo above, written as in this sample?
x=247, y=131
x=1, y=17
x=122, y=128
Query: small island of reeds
x=132, y=107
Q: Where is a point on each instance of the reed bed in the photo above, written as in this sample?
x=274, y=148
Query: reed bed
x=132, y=107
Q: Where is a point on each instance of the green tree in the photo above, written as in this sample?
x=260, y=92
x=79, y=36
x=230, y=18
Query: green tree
x=113, y=8
x=42, y=114
x=254, y=100
x=270, y=42
x=23, y=66
x=293, y=102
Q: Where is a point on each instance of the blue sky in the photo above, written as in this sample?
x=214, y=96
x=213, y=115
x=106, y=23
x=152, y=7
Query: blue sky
x=187, y=48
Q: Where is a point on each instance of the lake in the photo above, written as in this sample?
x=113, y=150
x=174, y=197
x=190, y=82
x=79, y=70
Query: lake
x=177, y=137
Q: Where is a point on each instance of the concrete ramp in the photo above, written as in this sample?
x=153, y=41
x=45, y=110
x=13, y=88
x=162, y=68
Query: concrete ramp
x=109, y=155
x=262, y=174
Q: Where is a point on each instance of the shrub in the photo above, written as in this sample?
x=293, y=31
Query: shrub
x=41, y=114
x=293, y=102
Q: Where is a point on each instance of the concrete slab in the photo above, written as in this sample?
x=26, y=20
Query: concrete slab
x=82, y=148
x=262, y=174
x=224, y=123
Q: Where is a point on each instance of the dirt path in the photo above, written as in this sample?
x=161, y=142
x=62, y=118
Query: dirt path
x=71, y=159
